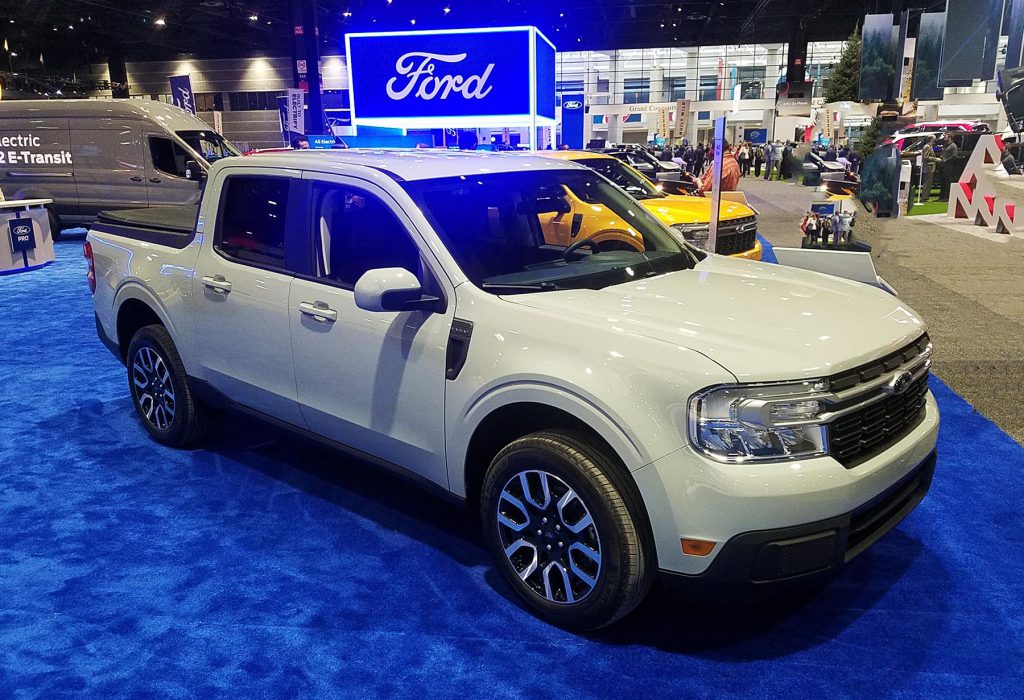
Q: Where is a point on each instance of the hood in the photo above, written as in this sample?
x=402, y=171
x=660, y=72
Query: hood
x=760, y=321
x=668, y=165
x=680, y=209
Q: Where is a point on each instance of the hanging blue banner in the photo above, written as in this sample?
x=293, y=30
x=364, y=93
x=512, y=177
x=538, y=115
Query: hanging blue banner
x=573, y=110
x=466, y=77
x=181, y=93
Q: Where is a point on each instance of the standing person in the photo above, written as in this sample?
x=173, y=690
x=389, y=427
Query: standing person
x=784, y=166
x=948, y=162
x=758, y=160
x=929, y=161
x=744, y=159
x=730, y=174
x=698, y=160
x=769, y=158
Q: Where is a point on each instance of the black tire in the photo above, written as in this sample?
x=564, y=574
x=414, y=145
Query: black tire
x=626, y=552
x=56, y=226
x=185, y=422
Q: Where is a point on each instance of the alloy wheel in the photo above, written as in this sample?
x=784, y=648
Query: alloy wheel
x=549, y=536
x=154, y=391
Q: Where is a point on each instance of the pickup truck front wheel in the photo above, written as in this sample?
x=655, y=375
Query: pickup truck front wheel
x=556, y=518
x=160, y=390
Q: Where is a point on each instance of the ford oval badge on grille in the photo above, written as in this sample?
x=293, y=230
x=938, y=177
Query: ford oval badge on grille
x=899, y=383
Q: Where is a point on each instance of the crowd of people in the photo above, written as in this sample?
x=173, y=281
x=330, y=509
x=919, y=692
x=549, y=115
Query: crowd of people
x=773, y=158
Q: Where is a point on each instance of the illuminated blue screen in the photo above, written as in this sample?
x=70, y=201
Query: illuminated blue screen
x=466, y=73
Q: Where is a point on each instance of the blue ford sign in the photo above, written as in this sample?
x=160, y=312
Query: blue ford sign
x=23, y=235
x=456, y=78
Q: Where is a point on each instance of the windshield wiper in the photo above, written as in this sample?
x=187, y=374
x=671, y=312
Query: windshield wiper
x=520, y=287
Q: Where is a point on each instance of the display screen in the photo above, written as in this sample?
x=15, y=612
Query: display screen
x=407, y=78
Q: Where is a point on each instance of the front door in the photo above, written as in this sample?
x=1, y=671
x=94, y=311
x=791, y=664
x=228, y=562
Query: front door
x=241, y=289
x=165, y=171
x=372, y=380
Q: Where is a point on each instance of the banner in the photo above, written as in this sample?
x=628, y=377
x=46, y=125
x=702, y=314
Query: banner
x=682, y=118
x=927, y=54
x=1015, y=32
x=967, y=39
x=218, y=122
x=181, y=93
x=877, y=62
x=296, y=117
x=573, y=114
x=501, y=76
x=289, y=111
x=663, y=122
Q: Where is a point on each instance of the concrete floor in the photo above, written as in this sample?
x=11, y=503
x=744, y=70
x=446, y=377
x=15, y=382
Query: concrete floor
x=968, y=288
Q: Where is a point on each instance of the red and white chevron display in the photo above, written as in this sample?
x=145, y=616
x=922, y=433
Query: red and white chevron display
x=974, y=197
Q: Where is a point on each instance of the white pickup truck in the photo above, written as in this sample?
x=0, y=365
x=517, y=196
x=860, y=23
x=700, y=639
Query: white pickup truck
x=611, y=413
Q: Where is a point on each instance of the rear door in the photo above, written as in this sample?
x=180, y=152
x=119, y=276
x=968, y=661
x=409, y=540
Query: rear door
x=165, y=171
x=241, y=287
x=110, y=171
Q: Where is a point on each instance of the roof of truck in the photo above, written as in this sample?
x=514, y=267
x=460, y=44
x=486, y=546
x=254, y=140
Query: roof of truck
x=406, y=164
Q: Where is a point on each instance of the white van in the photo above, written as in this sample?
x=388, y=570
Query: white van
x=96, y=155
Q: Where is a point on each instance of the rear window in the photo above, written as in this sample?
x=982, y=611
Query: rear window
x=252, y=219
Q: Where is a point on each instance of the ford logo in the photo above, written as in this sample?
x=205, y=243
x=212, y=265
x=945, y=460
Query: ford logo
x=22, y=230
x=899, y=383
x=572, y=104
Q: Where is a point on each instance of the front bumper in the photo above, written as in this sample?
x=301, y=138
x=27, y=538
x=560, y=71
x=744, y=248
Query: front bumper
x=690, y=496
x=816, y=548
x=752, y=254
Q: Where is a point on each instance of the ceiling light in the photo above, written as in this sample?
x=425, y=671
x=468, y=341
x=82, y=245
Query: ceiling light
x=346, y=13
x=254, y=18
x=412, y=21
x=447, y=10
x=160, y=22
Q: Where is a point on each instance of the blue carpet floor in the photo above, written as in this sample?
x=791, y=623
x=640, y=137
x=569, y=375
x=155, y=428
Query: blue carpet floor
x=261, y=566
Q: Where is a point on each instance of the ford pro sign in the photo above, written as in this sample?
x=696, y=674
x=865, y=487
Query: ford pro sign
x=464, y=77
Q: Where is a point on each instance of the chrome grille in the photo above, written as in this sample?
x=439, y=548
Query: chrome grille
x=869, y=422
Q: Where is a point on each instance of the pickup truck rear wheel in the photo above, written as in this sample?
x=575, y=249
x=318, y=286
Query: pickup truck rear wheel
x=557, y=518
x=160, y=390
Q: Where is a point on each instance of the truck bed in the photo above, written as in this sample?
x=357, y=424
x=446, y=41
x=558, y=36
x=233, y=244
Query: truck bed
x=172, y=226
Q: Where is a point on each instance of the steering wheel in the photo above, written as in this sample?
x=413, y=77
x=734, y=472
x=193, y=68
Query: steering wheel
x=579, y=244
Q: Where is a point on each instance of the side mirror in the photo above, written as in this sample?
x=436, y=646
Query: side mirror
x=194, y=172
x=392, y=289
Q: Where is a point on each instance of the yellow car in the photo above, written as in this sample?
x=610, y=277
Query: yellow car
x=737, y=226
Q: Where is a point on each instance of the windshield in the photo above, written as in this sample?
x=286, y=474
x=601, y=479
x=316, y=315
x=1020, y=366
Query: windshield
x=210, y=144
x=625, y=177
x=547, y=230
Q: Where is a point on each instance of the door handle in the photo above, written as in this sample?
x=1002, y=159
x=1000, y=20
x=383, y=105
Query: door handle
x=135, y=178
x=155, y=179
x=217, y=284
x=318, y=311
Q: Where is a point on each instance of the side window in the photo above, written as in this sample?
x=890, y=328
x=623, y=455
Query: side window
x=355, y=232
x=251, y=227
x=168, y=157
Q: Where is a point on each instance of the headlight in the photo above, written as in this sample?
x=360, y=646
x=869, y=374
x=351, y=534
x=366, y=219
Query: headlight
x=759, y=422
x=695, y=234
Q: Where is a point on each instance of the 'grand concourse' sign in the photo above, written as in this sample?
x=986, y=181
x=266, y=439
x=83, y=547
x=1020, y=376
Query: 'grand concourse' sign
x=465, y=77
